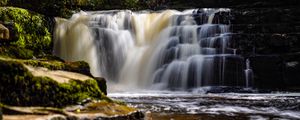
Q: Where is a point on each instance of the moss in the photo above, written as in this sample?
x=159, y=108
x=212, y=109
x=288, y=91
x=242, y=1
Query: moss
x=52, y=65
x=30, y=28
x=16, y=52
x=78, y=66
x=108, y=108
x=19, y=87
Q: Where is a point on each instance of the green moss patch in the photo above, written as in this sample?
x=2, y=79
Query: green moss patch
x=16, y=52
x=19, y=87
x=78, y=66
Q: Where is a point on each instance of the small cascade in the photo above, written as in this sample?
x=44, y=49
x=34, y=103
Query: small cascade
x=152, y=50
x=248, y=74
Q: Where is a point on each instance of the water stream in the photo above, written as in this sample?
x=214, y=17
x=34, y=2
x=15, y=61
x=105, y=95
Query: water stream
x=167, y=105
x=163, y=61
x=164, y=50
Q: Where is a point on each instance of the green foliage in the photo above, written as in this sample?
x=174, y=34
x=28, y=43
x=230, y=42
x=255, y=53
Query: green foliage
x=30, y=28
x=92, y=3
x=19, y=87
x=47, y=7
x=132, y=4
x=61, y=8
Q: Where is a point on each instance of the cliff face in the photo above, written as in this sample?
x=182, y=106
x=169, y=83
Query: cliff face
x=269, y=36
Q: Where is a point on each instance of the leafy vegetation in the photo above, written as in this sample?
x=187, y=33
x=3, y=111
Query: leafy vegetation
x=131, y=3
x=29, y=27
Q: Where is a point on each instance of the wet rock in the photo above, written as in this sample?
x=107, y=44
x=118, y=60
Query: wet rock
x=278, y=28
x=265, y=15
x=291, y=71
x=4, y=33
x=94, y=110
x=105, y=111
x=223, y=89
x=268, y=72
x=229, y=71
x=102, y=84
x=265, y=43
x=13, y=110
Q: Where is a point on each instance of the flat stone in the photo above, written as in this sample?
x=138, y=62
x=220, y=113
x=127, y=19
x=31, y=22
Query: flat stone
x=57, y=75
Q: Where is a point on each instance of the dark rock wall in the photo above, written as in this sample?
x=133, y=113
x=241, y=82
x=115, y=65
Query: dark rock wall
x=270, y=37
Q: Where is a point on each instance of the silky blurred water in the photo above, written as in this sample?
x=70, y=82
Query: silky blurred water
x=165, y=105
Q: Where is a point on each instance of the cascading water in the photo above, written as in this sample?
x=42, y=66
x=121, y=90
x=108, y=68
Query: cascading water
x=248, y=73
x=152, y=50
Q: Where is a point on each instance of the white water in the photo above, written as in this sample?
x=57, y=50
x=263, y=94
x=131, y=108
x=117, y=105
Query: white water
x=248, y=73
x=150, y=50
x=250, y=106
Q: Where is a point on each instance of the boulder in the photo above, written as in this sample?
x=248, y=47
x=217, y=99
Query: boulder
x=23, y=85
x=4, y=33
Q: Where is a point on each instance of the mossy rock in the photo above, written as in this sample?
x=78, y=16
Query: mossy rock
x=16, y=52
x=30, y=27
x=77, y=66
x=20, y=88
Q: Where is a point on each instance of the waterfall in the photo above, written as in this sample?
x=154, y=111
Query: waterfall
x=248, y=73
x=154, y=50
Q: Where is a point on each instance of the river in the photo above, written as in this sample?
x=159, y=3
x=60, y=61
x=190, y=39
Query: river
x=195, y=105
